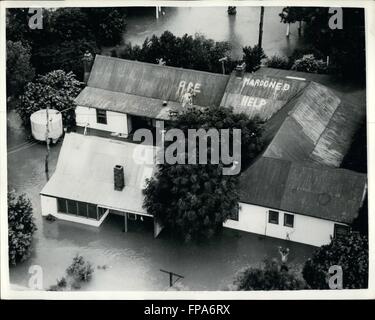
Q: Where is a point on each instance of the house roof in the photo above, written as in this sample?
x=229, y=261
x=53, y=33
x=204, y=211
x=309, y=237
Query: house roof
x=315, y=126
x=84, y=172
x=317, y=191
x=126, y=103
x=308, y=127
x=260, y=95
x=152, y=81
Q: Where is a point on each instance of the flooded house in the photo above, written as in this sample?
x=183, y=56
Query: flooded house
x=97, y=176
x=294, y=190
x=122, y=96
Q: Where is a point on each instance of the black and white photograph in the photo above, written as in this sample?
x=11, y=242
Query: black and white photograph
x=186, y=148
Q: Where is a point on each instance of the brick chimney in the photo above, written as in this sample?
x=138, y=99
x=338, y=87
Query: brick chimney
x=240, y=70
x=119, y=178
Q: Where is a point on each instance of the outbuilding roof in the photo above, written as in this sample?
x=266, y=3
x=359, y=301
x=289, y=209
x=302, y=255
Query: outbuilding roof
x=84, y=172
x=318, y=191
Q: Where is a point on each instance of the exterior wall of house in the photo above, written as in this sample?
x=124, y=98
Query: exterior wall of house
x=49, y=206
x=116, y=122
x=308, y=230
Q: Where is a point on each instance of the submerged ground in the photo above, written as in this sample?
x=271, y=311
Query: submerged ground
x=133, y=260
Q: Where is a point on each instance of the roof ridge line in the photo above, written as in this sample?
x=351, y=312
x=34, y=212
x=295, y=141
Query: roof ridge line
x=163, y=66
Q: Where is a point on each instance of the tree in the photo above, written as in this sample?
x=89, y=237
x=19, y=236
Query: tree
x=350, y=252
x=67, y=33
x=193, y=200
x=57, y=90
x=19, y=70
x=188, y=52
x=66, y=56
x=268, y=277
x=17, y=28
x=107, y=24
x=343, y=46
x=253, y=56
x=21, y=227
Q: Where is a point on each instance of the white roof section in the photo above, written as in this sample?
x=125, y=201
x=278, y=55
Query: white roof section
x=84, y=172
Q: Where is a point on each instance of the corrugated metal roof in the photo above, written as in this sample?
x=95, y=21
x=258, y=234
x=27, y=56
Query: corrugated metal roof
x=318, y=127
x=156, y=81
x=84, y=172
x=259, y=95
x=126, y=103
x=273, y=72
x=321, y=192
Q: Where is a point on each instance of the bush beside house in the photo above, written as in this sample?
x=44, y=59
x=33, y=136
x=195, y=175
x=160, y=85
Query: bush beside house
x=56, y=90
x=21, y=227
x=349, y=252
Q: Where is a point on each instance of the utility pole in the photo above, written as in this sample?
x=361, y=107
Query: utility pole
x=47, y=144
x=261, y=27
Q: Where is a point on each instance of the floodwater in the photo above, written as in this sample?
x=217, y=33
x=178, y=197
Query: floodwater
x=133, y=260
x=240, y=30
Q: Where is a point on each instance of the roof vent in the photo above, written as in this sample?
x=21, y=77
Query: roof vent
x=119, y=178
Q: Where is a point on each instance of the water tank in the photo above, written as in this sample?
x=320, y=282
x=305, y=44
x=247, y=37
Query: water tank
x=39, y=124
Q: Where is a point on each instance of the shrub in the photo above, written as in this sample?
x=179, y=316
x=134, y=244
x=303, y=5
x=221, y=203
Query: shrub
x=21, y=227
x=60, y=285
x=349, y=252
x=190, y=52
x=57, y=89
x=80, y=270
x=253, y=56
x=308, y=63
x=278, y=62
x=269, y=277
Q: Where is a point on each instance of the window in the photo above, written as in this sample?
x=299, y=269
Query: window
x=92, y=213
x=61, y=205
x=101, y=116
x=82, y=209
x=273, y=217
x=72, y=207
x=288, y=220
x=341, y=230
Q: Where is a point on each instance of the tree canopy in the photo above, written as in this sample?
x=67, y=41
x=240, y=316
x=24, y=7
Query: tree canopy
x=350, y=252
x=190, y=52
x=193, y=200
x=253, y=56
x=344, y=46
x=67, y=33
x=19, y=70
x=21, y=227
x=268, y=277
x=56, y=89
